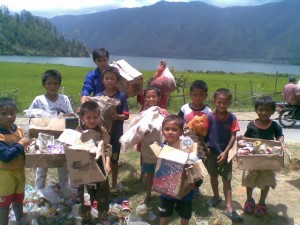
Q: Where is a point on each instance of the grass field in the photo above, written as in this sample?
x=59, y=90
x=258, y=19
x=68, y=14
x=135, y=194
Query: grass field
x=23, y=81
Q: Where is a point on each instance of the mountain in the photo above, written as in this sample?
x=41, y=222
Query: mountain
x=24, y=34
x=268, y=32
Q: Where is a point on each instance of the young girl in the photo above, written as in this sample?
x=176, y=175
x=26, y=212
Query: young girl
x=148, y=159
x=110, y=77
x=90, y=124
x=264, y=128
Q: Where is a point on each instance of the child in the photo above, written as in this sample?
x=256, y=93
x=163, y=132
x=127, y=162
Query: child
x=93, y=81
x=90, y=124
x=13, y=144
x=264, y=128
x=110, y=78
x=198, y=94
x=52, y=101
x=222, y=130
x=148, y=159
x=172, y=129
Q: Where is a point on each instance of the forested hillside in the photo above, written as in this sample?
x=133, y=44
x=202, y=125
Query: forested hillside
x=268, y=32
x=25, y=34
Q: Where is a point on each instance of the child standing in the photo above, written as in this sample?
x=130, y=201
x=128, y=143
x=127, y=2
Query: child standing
x=222, y=130
x=52, y=101
x=148, y=158
x=172, y=129
x=12, y=161
x=264, y=128
x=110, y=78
x=90, y=123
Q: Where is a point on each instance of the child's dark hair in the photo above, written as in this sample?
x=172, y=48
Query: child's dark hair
x=174, y=118
x=111, y=69
x=51, y=73
x=7, y=102
x=265, y=101
x=89, y=106
x=152, y=89
x=199, y=84
x=223, y=91
x=99, y=53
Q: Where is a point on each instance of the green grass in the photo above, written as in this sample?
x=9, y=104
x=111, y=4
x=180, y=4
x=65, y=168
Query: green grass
x=23, y=80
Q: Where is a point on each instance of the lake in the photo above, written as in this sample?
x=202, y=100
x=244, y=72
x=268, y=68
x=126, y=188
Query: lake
x=151, y=63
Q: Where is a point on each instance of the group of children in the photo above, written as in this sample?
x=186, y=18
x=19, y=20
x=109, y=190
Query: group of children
x=222, y=129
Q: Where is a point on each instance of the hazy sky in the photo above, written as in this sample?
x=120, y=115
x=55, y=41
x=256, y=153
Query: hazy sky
x=50, y=8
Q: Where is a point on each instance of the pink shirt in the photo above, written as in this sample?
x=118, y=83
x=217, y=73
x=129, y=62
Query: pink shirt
x=291, y=92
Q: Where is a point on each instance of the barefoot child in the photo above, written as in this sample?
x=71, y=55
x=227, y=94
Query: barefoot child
x=264, y=128
x=110, y=78
x=90, y=120
x=12, y=161
x=222, y=130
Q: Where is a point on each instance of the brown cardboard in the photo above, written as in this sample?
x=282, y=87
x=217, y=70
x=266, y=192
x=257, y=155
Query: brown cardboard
x=45, y=160
x=82, y=167
x=131, y=82
x=261, y=161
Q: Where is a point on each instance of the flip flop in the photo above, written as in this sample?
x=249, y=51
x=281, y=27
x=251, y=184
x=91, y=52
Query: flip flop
x=213, y=201
x=233, y=216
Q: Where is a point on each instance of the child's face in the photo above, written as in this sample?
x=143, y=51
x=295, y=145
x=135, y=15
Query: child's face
x=264, y=112
x=110, y=81
x=222, y=103
x=101, y=63
x=198, y=97
x=90, y=119
x=7, y=117
x=52, y=86
x=171, y=132
x=151, y=98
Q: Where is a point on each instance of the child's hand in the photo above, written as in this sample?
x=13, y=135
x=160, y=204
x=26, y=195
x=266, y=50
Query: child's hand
x=163, y=111
x=221, y=158
x=115, y=116
x=239, y=137
x=25, y=142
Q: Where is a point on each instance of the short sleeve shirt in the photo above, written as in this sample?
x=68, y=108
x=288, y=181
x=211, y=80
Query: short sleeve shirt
x=188, y=113
x=93, y=83
x=269, y=133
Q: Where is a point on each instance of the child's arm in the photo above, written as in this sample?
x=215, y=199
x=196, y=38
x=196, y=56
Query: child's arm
x=123, y=117
x=223, y=156
x=8, y=153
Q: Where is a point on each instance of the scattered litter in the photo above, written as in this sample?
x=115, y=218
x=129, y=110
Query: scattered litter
x=151, y=216
x=203, y=222
x=141, y=209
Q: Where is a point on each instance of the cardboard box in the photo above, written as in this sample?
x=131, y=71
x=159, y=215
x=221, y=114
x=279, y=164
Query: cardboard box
x=170, y=176
x=54, y=126
x=82, y=166
x=45, y=160
x=262, y=161
x=131, y=82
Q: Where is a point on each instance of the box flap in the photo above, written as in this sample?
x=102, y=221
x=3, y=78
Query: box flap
x=173, y=154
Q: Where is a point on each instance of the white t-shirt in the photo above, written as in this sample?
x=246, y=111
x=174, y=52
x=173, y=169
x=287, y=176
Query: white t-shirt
x=62, y=104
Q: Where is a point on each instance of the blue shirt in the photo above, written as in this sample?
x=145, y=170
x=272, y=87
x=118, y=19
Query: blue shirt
x=93, y=83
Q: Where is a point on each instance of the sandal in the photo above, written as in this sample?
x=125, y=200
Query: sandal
x=261, y=209
x=213, y=201
x=249, y=207
x=233, y=216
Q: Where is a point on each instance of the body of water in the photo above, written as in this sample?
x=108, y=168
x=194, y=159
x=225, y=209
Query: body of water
x=151, y=63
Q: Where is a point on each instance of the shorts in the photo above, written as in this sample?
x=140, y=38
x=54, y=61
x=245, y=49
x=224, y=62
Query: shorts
x=259, y=178
x=116, y=148
x=183, y=208
x=13, y=190
x=224, y=170
x=149, y=167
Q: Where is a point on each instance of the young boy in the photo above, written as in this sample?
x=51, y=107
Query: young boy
x=148, y=159
x=90, y=125
x=52, y=101
x=13, y=144
x=198, y=94
x=264, y=128
x=222, y=130
x=93, y=81
x=110, y=78
x=172, y=129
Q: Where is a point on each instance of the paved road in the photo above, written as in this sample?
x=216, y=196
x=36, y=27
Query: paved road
x=291, y=135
